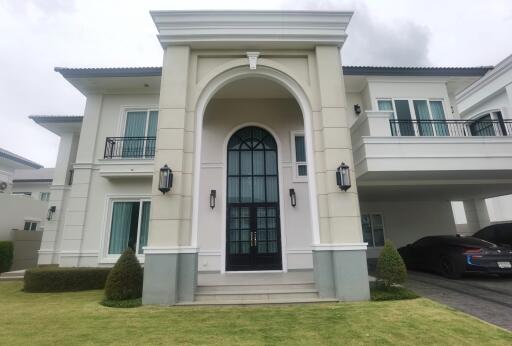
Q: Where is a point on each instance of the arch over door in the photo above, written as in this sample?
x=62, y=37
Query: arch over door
x=253, y=239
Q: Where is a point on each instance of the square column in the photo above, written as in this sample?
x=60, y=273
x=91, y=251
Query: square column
x=170, y=270
x=340, y=258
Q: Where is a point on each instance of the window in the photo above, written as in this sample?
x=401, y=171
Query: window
x=373, y=229
x=489, y=124
x=299, y=156
x=427, y=114
x=129, y=226
x=140, y=128
x=22, y=193
x=30, y=226
x=44, y=196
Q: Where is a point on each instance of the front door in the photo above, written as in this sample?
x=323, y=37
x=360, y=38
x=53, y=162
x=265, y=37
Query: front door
x=253, y=239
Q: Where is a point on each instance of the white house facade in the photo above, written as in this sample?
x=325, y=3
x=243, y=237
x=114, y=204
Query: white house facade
x=282, y=160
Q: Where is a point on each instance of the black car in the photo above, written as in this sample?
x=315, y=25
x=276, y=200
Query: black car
x=453, y=256
x=500, y=234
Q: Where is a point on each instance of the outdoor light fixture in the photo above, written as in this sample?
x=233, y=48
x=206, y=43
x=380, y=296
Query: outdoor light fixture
x=213, y=195
x=293, y=198
x=357, y=109
x=343, y=177
x=50, y=212
x=165, y=182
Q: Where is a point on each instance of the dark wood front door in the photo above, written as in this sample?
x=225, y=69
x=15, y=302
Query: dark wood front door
x=253, y=239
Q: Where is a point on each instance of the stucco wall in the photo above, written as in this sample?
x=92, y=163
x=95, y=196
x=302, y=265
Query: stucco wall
x=35, y=188
x=15, y=210
x=408, y=221
x=222, y=117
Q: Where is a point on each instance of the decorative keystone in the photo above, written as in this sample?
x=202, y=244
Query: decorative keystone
x=253, y=59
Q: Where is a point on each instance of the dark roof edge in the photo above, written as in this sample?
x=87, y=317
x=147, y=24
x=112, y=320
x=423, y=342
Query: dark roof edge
x=56, y=118
x=416, y=71
x=32, y=180
x=109, y=72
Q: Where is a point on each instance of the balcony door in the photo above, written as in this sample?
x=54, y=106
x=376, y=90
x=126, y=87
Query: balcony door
x=139, y=134
x=253, y=239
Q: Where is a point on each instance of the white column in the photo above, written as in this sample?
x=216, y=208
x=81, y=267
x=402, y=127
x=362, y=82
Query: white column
x=477, y=215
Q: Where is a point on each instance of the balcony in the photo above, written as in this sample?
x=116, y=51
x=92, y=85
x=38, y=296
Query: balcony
x=470, y=155
x=452, y=128
x=129, y=148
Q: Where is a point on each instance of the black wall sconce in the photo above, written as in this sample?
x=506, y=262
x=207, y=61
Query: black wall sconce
x=51, y=211
x=293, y=198
x=165, y=181
x=213, y=196
x=357, y=109
x=343, y=177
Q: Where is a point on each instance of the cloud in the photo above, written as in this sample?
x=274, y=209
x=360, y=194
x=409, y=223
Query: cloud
x=374, y=41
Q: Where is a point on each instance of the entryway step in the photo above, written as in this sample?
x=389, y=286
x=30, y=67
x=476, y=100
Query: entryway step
x=259, y=301
x=17, y=275
x=266, y=288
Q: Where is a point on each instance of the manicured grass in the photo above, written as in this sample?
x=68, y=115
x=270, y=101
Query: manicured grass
x=393, y=293
x=77, y=318
x=128, y=303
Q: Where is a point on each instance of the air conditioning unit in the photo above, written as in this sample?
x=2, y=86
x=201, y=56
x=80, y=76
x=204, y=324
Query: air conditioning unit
x=3, y=186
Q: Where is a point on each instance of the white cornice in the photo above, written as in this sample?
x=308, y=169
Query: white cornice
x=245, y=29
x=340, y=247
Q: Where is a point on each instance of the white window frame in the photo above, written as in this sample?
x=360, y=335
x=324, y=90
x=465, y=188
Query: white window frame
x=110, y=200
x=410, y=101
x=370, y=214
x=295, y=165
x=494, y=117
x=44, y=193
x=124, y=117
x=31, y=221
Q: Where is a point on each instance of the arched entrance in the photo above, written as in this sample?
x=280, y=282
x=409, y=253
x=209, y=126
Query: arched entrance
x=253, y=239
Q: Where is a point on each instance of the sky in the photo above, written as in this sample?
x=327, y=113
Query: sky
x=37, y=35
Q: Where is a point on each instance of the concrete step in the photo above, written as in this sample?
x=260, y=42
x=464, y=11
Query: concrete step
x=265, y=288
x=13, y=275
x=259, y=301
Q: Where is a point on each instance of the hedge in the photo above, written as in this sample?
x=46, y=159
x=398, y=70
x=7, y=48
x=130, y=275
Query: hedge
x=53, y=279
x=6, y=254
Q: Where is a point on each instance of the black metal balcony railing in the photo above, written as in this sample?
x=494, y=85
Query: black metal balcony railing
x=130, y=147
x=453, y=128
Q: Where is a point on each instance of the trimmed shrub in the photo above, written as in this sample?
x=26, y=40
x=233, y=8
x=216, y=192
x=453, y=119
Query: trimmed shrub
x=125, y=280
x=390, y=267
x=393, y=293
x=6, y=254
x=53, y=279
x=123, y=304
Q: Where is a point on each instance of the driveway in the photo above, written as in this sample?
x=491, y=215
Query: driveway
x=488, y=298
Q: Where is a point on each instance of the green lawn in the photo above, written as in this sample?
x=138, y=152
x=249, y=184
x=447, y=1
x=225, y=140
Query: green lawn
x=78, y=318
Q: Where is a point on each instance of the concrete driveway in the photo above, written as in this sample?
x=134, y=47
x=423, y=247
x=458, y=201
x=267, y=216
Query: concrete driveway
x=486, y=297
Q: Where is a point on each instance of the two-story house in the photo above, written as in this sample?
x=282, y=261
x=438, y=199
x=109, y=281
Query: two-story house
x=283, y=163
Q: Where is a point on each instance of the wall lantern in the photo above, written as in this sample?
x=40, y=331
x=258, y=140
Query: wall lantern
x=343, y=177
x=213, y=195
x=165, y=182
x=357, y=109
x=293, y=198
x=51, y=211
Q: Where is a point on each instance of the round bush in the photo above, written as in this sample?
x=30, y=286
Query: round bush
x=390, y=267
x=125, y=279
x=6, y=254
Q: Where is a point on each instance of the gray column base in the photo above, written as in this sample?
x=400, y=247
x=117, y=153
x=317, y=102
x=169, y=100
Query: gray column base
x=169, y=278
x=341, y=274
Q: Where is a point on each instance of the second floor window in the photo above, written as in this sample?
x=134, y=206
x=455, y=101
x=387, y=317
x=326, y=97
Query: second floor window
x=140, y=132
x=44, y=196
x=416, y=117
x=490, y=124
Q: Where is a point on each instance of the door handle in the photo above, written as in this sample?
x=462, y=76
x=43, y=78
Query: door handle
x=253, y=239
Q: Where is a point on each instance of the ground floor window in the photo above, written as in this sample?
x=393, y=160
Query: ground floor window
x=30, y=225
x=299, y=155
x=129, y=226
x=44, y=196
x=373, y=229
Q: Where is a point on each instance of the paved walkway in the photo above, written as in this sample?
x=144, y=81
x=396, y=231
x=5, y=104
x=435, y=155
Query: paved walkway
x=488, y=298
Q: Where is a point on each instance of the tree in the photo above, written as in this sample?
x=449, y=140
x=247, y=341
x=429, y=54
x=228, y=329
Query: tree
x=391, y=268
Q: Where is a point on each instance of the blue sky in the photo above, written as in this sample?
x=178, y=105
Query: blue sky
x=37, y=35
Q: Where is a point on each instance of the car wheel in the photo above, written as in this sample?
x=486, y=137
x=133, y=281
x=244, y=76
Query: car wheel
x=449, y=269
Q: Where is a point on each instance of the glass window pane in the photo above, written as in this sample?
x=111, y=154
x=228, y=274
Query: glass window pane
x=367, y=229
x=272, y=192
x=258, y=162
x=233, y=163
x=379, y=237
x=421, y=109
x=384, y=105
x=300, y=149
x=33, y=226
x=26, y=227
x=233, y=190
x=302, y=170
x=441, y=128
x=403, y=115
x=245, y=189
x=271, y=162
x=144, y=226
x=259, y=189
x=245, y=163
x=120, y=226
x=135, y=127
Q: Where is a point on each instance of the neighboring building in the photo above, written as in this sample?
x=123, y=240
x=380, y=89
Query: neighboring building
x=488, y=104
x=35, y=183
x=254, y=126
x=9, y=162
